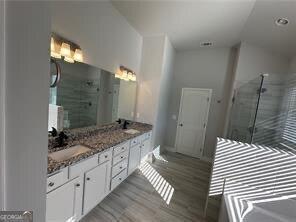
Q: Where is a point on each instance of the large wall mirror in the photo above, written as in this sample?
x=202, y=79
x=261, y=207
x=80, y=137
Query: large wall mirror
x=87, y=96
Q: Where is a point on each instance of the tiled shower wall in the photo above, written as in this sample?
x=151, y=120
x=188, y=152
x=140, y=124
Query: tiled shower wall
x=276, y=117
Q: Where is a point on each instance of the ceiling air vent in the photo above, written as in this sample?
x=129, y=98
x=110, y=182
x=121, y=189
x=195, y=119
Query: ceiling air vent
x=206, y=44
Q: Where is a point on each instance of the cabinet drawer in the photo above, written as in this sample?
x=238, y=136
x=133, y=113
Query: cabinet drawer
x=84, y=165
x=118, y=179
x=119, y=167
x=135, y=141
x=57, y=179
x=105, y=156
x=120, y=148
x=120, y=157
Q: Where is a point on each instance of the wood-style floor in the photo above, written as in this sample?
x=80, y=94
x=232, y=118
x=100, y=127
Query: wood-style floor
x=172, y=189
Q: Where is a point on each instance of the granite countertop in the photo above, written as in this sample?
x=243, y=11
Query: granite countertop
x=96, y=138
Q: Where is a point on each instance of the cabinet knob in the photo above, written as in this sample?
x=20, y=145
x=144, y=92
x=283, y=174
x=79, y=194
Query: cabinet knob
x=121, y=157
x=181, y=124
x=51, y=184
x=78, y=185
x=106, y=156
x=87, y=178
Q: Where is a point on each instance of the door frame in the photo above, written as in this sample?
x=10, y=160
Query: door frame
x=210, y=91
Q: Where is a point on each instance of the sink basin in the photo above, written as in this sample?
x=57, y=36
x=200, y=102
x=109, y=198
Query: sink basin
x=131, y=131
x=68, y=153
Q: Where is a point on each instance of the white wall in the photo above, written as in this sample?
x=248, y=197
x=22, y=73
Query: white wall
x=292, y=65
x=154, y=82
x=164, y=94
x=2, y=101
x=27, y=93
x=205, y=68
x=106, y=38
x=253, y=61
x=149, y=79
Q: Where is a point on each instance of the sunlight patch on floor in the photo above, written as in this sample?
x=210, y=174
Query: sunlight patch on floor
x=156, y=153
x=164, y=189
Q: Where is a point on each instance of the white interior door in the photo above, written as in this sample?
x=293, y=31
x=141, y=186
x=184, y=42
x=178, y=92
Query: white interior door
x=192, y=121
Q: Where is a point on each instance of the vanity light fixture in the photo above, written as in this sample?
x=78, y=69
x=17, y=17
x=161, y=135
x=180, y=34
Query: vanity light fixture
x=125, y=74
x=63, y=48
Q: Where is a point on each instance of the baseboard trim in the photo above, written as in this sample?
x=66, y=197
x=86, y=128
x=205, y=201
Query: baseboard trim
x=203, y=158
x=207, y=159
x=170, y=149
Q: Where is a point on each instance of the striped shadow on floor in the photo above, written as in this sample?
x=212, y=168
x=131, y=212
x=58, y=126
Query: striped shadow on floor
x=173, y=188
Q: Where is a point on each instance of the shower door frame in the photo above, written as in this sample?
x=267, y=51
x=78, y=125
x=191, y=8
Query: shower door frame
x=257, y=107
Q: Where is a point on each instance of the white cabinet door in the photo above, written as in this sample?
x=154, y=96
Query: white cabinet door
x=145, y=148
x=96, y=186
x=61, y=203
x=134, y=158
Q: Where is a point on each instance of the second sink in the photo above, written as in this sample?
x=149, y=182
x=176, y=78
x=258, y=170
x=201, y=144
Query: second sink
x=68, y=153
x=131, y=131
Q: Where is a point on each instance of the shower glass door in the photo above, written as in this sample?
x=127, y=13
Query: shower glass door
x=244, y=111
x=271, y=114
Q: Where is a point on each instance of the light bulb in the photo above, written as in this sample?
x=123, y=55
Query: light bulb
x=52, y=46
x=78, y=55
x=69, y=59
x=134, y=78
x=53, y=52
x=65, y=50
x=130, y=75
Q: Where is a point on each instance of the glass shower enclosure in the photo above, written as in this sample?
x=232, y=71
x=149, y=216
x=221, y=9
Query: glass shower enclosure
x=263, y=112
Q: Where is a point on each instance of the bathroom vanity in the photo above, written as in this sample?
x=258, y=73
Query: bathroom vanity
x=90, y=151
x=92, y=164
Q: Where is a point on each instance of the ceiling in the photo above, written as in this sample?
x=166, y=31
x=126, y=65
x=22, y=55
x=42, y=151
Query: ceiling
x=260, y=27
x=223, y=22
